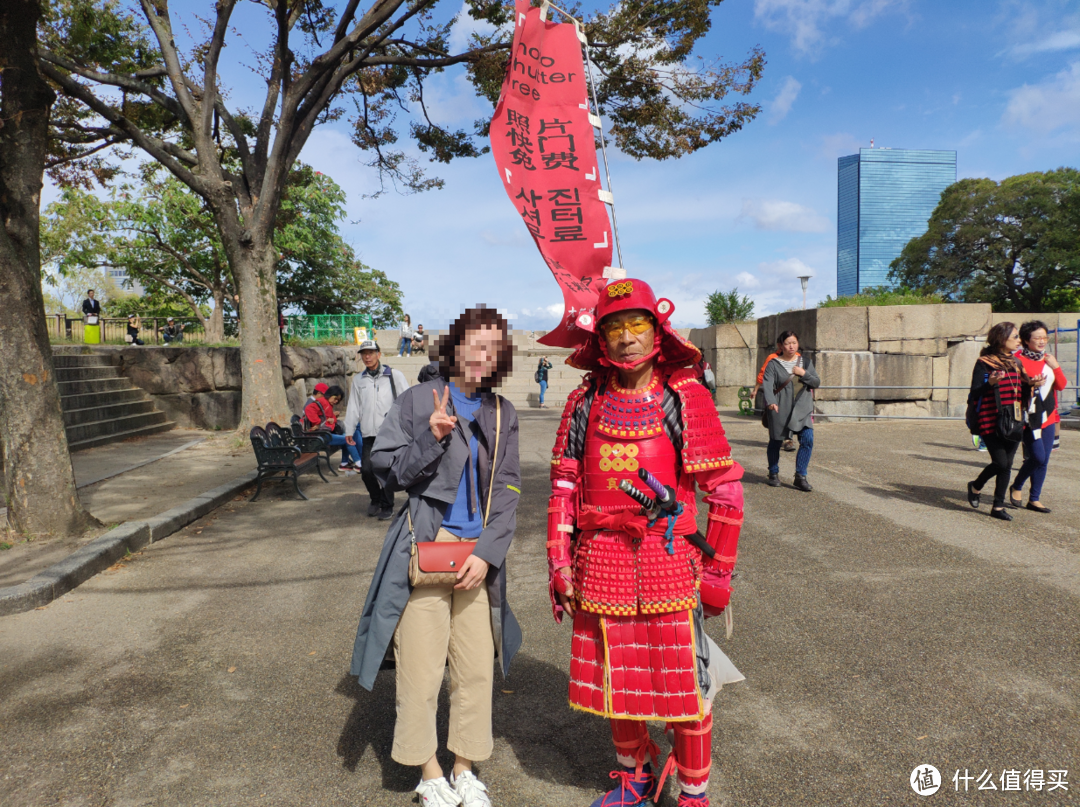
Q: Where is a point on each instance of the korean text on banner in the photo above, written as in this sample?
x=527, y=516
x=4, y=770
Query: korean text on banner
x=545, y=151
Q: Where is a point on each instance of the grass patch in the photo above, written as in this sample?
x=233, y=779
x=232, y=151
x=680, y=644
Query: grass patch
x=882, y=295
x=5, y=545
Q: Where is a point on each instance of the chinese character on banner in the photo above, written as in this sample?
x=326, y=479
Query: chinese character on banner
x=544, y=147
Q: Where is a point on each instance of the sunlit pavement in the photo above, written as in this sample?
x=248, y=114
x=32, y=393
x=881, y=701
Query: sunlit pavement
x=880, y=622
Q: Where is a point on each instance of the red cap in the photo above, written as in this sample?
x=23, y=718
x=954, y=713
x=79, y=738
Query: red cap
x=321, y=387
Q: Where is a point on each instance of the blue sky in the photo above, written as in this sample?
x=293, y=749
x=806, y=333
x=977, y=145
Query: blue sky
x=996, y=80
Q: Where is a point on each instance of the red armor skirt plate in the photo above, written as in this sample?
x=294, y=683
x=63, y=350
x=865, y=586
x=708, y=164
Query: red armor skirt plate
x=613, y=577
x=636, y=667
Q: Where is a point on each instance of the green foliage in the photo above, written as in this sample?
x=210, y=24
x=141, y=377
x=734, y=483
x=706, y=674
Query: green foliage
x=883, y=295
x=721, y=308
x=159, y=303
x=164, y=236
x=1014, y=244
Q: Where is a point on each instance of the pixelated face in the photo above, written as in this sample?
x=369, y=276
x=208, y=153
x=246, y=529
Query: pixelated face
x=790, y=347
x=629, y=334
x=478, y=354
x=370, y=358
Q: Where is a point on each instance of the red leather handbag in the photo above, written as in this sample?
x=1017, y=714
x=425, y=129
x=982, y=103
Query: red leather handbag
x=437, y=563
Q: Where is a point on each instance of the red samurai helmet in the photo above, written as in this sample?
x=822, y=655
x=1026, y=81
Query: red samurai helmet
x=669, y=349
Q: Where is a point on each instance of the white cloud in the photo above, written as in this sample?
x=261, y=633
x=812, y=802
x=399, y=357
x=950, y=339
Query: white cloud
x=1051, y=43
x=775, y=214
x=781, y=104
x=840, y=144
x=1050, y=105
x=805, y=20
x=464, y=28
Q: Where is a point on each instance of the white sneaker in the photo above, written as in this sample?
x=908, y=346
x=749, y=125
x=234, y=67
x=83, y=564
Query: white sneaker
x=437, y=793
x=472, y=791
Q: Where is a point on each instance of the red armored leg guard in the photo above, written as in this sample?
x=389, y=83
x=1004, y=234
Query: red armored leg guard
x=634, y=749
x=691, y=756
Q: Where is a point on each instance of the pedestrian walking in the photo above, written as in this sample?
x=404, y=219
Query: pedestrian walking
x=373, y=392
x=1040, y=429
x=405, y=333
x=789, y=444
x=541, y=378
x=452, y=445
x=789, y=412
x=999, y=389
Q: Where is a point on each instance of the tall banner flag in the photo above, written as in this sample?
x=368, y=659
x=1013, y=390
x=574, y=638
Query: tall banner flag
x=542, y=140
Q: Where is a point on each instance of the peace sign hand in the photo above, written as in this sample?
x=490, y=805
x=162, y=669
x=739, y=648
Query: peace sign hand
x=441, y=423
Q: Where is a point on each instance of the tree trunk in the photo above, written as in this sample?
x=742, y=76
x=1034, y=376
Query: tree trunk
x=254, y=268
x=215, y=328
x=38, y=480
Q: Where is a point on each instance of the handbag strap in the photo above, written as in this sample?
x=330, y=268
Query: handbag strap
x=494, y=457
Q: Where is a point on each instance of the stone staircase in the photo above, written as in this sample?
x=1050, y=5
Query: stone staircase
x=99, y=405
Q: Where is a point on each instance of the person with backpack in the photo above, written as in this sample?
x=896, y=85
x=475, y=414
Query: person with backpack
x=789, y=444
x=788, y=412
x=541, y=378
x=996, y=402
x=373, y=393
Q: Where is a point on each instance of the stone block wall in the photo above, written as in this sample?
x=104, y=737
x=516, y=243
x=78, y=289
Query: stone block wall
x=199, y=387
x=880, y=348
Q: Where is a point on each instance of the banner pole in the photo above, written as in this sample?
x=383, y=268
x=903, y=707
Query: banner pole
x=603, y=145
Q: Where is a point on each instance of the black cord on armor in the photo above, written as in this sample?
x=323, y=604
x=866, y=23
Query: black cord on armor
x=673, y=426
x=579, y=427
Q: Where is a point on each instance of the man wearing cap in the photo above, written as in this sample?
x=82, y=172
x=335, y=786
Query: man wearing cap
x=372, y=394
x=172, y=332
x=637, y=588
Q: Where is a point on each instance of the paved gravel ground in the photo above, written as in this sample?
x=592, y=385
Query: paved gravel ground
x=881, y=624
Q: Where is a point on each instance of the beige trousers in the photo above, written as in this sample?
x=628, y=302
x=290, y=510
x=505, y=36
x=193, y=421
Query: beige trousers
x=441, y=624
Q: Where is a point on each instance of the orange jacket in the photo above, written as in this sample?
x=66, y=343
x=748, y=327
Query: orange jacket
x=761, y=372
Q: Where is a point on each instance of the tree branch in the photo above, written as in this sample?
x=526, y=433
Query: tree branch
x=165, y=153
x=116, y=80
x=162, y=28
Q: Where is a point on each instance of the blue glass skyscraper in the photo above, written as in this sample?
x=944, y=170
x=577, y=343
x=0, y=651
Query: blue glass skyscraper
x=884, y=199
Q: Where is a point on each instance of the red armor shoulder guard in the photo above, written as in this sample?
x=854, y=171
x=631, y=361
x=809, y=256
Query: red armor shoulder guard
x=573, y=401
x=705, y=446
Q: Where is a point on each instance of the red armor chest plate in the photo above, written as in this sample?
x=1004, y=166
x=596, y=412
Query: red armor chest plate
x=626, y=432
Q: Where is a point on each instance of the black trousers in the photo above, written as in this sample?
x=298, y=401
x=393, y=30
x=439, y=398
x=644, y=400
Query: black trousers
x=1000, y=467
x=367, y=473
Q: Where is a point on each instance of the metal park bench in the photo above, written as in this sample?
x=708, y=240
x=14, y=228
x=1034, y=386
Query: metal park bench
x=277, y=459
x=313, y=440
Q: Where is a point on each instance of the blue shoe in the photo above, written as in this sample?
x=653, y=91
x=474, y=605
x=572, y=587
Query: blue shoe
x=632, y=789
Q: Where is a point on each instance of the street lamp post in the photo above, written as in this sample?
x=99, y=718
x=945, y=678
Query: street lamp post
x=803, y=279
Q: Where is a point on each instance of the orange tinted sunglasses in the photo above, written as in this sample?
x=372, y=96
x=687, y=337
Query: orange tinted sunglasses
x=636, y=325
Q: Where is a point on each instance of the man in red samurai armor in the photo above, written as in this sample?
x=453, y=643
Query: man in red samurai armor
x=637, y=589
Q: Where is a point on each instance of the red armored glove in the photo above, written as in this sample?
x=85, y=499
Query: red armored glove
x=562, y=512
x=722, y=534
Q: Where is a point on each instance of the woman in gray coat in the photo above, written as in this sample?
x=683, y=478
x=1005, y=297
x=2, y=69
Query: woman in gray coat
x=790, y=411
x=436, y=444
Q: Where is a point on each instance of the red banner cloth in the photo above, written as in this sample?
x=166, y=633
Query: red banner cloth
x=543, y=145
